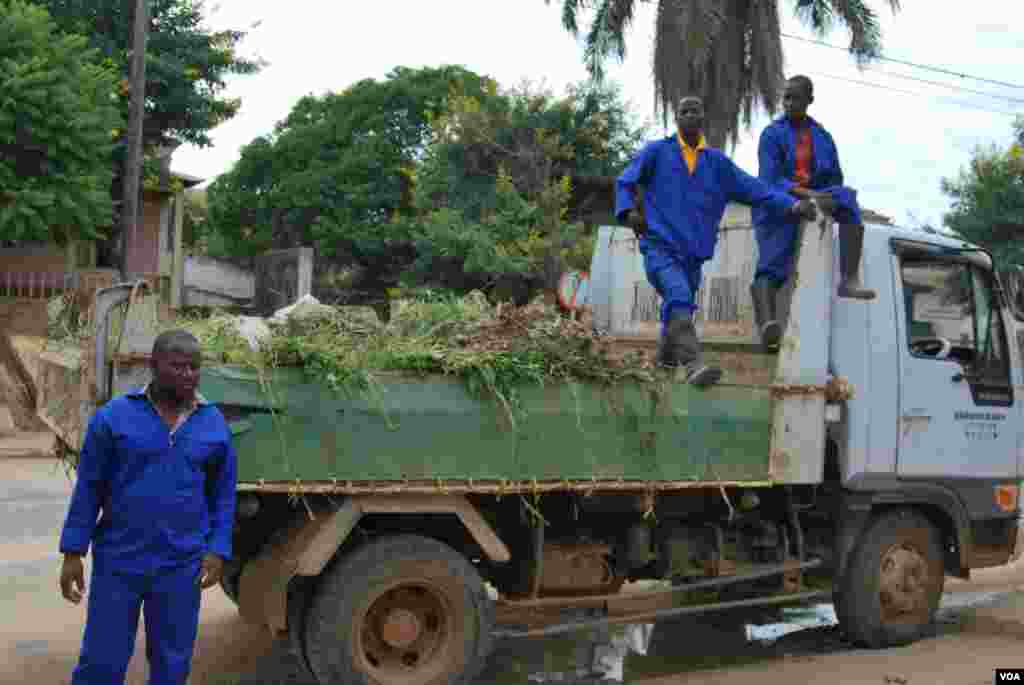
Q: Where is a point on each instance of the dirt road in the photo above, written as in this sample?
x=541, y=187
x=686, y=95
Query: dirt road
x=40, y=634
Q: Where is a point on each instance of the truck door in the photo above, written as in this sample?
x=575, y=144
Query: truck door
x=956, y=395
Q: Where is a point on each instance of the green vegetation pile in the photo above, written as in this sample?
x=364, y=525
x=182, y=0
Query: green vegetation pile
x=494, y=349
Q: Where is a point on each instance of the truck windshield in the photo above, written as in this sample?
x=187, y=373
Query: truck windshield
x=952, y=313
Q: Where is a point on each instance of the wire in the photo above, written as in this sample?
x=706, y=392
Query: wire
x=910, y=92
x=926, y=67
x=948, y=85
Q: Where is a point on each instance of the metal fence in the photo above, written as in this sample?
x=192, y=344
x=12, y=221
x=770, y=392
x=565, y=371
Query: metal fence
x=44, y=285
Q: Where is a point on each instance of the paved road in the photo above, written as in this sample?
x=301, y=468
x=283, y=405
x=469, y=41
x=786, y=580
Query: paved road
x=40, y=634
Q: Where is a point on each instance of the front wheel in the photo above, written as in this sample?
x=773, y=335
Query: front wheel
x=893, y=585
x=403, y=609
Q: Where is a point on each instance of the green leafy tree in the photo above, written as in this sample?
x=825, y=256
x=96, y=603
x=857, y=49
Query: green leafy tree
x=187, y=65
x=58, y=117
x=195, y=228
x=988, y=200
x=727, y=51
x=495, y=188
x=338, y=172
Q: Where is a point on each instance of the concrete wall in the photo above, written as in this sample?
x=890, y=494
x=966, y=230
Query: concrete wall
x=219, y=277
x=282, y=277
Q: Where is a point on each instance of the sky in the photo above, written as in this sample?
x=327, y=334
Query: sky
x=895, y=147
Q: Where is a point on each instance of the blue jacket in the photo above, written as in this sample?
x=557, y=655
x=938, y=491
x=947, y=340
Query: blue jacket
x=683, y=210
x=165, y=500
x=776, y=156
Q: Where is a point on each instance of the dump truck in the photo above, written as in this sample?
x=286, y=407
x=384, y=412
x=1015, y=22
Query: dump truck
x=875, y=452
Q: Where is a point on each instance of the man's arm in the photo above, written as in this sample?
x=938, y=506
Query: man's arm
x=742, y=187
x=90, y=486
x=833, y=175
x=627, y=185
x=222, y=488
x=770, y=161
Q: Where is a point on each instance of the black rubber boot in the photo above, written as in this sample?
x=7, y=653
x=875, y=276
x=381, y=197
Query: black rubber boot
x=764, y=294
x=682, y=349
x=851, y=244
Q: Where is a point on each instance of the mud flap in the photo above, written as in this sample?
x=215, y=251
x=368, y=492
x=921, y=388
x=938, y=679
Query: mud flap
x=263, y=591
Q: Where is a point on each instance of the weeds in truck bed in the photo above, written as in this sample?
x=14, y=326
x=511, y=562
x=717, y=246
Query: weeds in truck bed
x=495, y=351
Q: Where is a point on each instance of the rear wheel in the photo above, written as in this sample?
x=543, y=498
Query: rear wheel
x=404, y=609
x=894, y=582
x=231, y=580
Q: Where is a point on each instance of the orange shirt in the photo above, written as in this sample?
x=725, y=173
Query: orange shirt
x=804, y=155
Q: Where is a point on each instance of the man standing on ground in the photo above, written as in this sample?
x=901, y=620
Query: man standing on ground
x=159, y=464
x=797, y=155
x=686, y=186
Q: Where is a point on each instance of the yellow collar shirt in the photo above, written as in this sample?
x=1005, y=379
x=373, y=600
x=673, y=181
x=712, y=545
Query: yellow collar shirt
x=690, y=153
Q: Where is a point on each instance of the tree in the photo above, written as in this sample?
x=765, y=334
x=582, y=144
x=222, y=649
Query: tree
x=58, y=116
x=338, y=171
x=727, y=51
x=186, y=64
x=195, y=230
x=428, y=168
x=988, y=200
x=495, y=187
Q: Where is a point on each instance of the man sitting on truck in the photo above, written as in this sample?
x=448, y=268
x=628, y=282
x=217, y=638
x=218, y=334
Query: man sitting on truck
x=686, y=185
x=797, y=155
x=159, y=464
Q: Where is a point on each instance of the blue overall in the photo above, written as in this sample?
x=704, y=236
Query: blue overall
x=683, y=211
x=167, y=499
x=776, y=154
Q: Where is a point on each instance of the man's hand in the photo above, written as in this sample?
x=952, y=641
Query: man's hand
x=804, y=209
x=213, y=570
x=635, y=220
x=72, y=578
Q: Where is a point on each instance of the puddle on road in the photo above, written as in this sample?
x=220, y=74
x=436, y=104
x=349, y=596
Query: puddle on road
x=713, y=641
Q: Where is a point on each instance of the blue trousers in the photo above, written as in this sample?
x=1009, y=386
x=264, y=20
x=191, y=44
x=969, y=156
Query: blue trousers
x=171, y=601
x=776, y=238
x=674, y=275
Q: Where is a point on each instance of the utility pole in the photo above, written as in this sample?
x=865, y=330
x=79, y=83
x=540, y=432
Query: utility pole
x=132, y=175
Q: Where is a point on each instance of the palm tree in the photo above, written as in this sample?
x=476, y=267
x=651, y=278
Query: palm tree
x=727, y=51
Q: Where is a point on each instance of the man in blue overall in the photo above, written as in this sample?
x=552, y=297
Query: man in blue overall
x=686, y=186
x=797, y=155
x=159, y=464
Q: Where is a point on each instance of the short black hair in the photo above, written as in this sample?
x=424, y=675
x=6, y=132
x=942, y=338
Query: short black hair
x=178, y=340
x=804, y=81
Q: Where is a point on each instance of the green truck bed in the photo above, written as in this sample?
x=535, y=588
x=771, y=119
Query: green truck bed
x=432, y=428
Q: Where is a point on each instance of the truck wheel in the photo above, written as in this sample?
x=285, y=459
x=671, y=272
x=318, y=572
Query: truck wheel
x=403, y=609
x=231, y=580
x=893, y=584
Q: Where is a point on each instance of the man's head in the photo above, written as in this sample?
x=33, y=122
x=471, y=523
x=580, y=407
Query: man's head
x=690, y=116
x=175, y=363
x=797, y=97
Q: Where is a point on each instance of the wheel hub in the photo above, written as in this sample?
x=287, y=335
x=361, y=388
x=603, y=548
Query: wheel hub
x=400, y=628
x=904, y=582
x=406, y=634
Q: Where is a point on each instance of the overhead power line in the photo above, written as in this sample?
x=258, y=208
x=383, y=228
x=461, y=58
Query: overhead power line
x=926, y=67
x=1019, y=101
x=968, y=105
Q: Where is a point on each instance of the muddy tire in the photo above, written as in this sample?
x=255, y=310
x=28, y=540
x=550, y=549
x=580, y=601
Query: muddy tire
x=231, y=581
x=403, y=609
x=893, y=585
